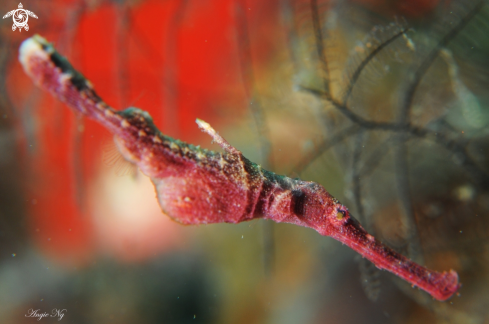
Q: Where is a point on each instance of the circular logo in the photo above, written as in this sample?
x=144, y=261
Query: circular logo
x=20, y=18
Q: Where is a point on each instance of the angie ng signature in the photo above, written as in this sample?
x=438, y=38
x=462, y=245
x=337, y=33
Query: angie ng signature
x=59, y=313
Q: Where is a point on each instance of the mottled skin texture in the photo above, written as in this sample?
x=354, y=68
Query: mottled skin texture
x=197, y=186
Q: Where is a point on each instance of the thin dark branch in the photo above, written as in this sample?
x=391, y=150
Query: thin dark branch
x=124, y=25
x=169, y=87
x=457, y=147
x=343, y=108
x=248, y=79
x=405, y=199
x=324, y=146
x=78, y=171
x=357, y=187
x=367, y=60
x=247, y=75
x=318, y=34
x=480, y=177
x=374, y=159
x=368, y=272
x=428, y=61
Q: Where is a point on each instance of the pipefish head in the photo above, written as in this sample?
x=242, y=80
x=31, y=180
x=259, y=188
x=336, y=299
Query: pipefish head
x=313, y=204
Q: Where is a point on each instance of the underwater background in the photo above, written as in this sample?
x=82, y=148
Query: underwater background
x=384, y=103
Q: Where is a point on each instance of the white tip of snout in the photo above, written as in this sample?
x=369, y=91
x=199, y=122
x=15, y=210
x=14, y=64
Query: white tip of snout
x=32, y=47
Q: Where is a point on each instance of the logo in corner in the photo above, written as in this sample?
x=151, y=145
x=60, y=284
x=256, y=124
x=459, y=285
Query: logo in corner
x=20, y=16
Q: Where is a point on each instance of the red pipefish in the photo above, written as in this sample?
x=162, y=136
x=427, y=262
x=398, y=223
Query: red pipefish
x=198, y=186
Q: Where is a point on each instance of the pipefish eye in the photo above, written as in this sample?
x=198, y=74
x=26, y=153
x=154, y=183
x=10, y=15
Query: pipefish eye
x=340, y=214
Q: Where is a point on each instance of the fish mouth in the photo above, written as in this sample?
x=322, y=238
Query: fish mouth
x=351, y=233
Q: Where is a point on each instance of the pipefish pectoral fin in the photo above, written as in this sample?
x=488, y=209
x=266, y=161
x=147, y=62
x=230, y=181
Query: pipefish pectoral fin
x=114, y=160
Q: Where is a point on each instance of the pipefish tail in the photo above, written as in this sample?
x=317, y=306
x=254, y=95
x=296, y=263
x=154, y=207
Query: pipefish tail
x=198, y=186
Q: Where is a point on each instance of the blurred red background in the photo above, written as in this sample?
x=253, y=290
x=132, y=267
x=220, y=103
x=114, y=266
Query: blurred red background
x=178, y=60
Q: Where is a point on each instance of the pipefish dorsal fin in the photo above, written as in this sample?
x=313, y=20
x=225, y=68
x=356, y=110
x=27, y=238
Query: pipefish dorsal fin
x=205, y=127
x=144, y=116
